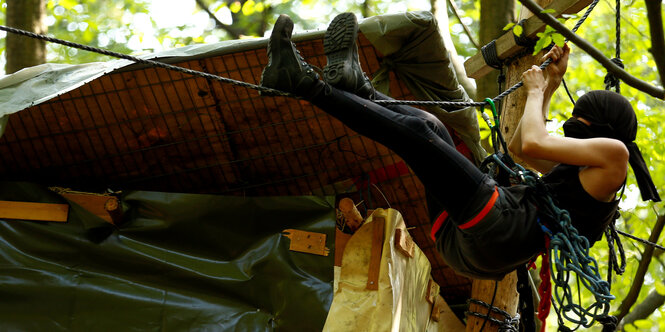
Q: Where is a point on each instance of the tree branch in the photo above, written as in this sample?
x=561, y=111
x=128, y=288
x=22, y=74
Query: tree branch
x=594, y=52
x=235, y=33
x=651, y=303
x=657, y=39
x=455, y=10
x=642, y=268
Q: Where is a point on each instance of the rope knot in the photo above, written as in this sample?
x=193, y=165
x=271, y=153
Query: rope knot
x=611, y=81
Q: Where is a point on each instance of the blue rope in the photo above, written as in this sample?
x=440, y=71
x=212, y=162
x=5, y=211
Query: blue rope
x=569, y=251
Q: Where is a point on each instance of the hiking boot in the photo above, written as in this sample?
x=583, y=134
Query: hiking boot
x=286, y=70
x=343, y=69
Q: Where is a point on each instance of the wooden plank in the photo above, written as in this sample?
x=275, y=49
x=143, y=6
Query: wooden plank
x=307, y=242
x=506, y=46
x=34, y=211
x=404, y=242
x=341, y=239
x=375, y=255
x=95, y=204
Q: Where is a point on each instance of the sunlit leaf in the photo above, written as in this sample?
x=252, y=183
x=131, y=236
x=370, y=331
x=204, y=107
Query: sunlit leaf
x=259, y=7
x=67, y=4
x=629, y=328
x=248, y=8
x=643, y=323
x=508, y=26
x=235, y=7
x=517, y=30
x=660, y=287
x=549, y=11
x=558, y=39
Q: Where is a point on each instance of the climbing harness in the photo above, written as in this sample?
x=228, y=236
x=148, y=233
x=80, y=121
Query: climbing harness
x=567, y=250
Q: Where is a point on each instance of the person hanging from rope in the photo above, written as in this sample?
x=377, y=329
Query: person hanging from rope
x=485, y=230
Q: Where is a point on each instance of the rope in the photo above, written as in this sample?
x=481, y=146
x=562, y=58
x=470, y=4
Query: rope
x=509, y=324
x=655, y=245
x=145, y=61
x=270, y=91
x=610, y=79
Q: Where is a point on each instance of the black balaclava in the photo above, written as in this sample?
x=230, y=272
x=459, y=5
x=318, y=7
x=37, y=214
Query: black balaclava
x=612, y=116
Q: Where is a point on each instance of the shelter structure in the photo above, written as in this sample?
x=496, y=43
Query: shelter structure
x=130, y=131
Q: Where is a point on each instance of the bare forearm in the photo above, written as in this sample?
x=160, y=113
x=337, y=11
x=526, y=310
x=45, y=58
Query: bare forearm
x=515, y=146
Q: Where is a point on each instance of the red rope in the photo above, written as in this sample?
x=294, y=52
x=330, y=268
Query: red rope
x=545, y=288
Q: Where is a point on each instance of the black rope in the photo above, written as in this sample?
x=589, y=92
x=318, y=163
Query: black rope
x=643, y=241
x=271, y=91
x=565, y=86
x=508, y=324
x=145, y=61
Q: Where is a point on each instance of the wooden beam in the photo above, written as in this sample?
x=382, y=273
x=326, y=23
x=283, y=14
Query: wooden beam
x=34, y=211
x=378, y=227
x=105, y=207
x=506, y=46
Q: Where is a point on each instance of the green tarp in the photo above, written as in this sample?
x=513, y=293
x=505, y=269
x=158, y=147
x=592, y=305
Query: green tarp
x=180, y=262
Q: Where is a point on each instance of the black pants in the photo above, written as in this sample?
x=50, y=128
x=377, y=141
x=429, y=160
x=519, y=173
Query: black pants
x=450, y=179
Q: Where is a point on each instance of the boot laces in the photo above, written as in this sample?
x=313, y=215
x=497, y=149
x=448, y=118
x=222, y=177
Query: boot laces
x=309, y=68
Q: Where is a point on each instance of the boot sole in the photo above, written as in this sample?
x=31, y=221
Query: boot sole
x=338, y=45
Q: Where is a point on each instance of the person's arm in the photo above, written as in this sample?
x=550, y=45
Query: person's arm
x=555, y=72
x=604, y=160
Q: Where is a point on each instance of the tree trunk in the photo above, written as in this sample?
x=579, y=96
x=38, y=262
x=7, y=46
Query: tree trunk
x=513, y=108
x=440, y=12
x=22, y=51
x=657, y=49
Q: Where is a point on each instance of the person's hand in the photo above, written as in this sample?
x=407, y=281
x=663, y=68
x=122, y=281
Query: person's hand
x=554, y=71
x=533, y=79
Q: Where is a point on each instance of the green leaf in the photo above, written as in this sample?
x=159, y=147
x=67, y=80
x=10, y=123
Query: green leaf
x=548, y=11
x=660, y=287
x=541, y=43
x=558, y=39
x=517, y=30
x=643, y=323
x=67, y=4
x=248, y=8
x=508, y=26
x=235, y=7
x=629, y=328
